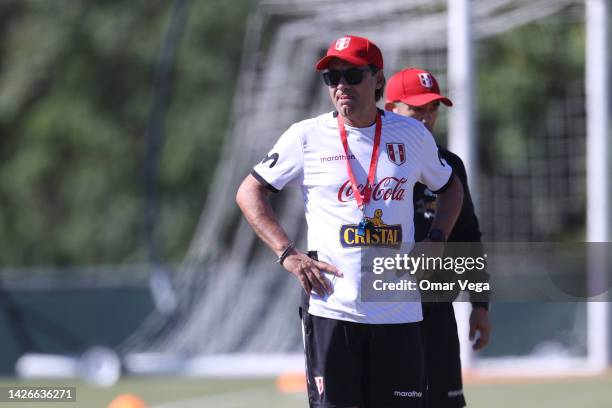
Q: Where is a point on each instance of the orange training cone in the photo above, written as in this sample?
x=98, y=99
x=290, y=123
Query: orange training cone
x=291, y=382
x=127, y=401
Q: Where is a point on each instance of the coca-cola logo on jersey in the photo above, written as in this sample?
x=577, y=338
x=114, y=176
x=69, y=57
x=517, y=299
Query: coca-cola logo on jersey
x=387, y=188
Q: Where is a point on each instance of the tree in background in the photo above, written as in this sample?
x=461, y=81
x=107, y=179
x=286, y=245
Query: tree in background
x=75, y=91
x=531, y=124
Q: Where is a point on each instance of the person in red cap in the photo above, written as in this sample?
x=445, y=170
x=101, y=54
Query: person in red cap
x=415, y=93
x=356, y=167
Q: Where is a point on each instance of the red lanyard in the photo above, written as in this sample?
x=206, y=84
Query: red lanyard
x=362, y=197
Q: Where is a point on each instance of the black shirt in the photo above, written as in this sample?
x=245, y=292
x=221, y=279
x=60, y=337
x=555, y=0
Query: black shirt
x=466, y=228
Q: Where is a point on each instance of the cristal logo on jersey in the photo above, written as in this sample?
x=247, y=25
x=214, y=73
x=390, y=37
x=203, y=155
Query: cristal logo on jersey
x=426, y=79
x=378, y=234
x=342, y=43
x=396, y=153
x=387, y=188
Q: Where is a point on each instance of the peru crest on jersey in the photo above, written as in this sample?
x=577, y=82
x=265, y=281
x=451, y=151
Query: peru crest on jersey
x=396, y=153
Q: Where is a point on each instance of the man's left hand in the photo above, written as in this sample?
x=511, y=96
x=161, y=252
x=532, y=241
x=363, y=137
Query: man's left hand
x=480, y=323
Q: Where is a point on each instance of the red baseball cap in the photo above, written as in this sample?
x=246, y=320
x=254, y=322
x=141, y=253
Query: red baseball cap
x=414, y=87
x=352, y=49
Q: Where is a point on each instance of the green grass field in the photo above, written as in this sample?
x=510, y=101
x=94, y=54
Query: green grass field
x=595, y=392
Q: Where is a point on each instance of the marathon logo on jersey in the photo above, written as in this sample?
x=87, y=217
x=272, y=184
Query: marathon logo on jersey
x=377, y=234
x=408, y=394
x=342, y=43
x=271, y=157
x=337, y=157
x=387, y=188
x=320, y=384
x=396, y=153
x=426, y=79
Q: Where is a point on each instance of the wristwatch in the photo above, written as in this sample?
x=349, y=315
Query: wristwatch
x=436, y=235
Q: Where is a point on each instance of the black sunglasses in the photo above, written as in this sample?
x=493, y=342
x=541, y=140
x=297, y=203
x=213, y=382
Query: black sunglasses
x=353, y=76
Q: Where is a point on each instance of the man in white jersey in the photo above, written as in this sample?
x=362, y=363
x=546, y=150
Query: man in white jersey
x=356, y=168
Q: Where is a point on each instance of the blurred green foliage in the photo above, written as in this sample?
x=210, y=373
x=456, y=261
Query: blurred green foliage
x=76, y=80
x=522, y=74
x=531, y=125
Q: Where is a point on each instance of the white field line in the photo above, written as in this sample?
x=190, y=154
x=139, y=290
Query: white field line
x=230, y=399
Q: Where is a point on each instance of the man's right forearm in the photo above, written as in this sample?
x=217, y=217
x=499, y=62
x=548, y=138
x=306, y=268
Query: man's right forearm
x=252, y=198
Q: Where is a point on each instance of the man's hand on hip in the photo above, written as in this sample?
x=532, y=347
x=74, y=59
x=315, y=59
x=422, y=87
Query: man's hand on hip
x=311, y=273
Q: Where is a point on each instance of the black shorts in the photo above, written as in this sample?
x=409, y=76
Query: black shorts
x=442, y=357
x=364, y=365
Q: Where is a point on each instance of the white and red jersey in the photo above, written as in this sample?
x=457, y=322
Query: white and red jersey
x=310, y=155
